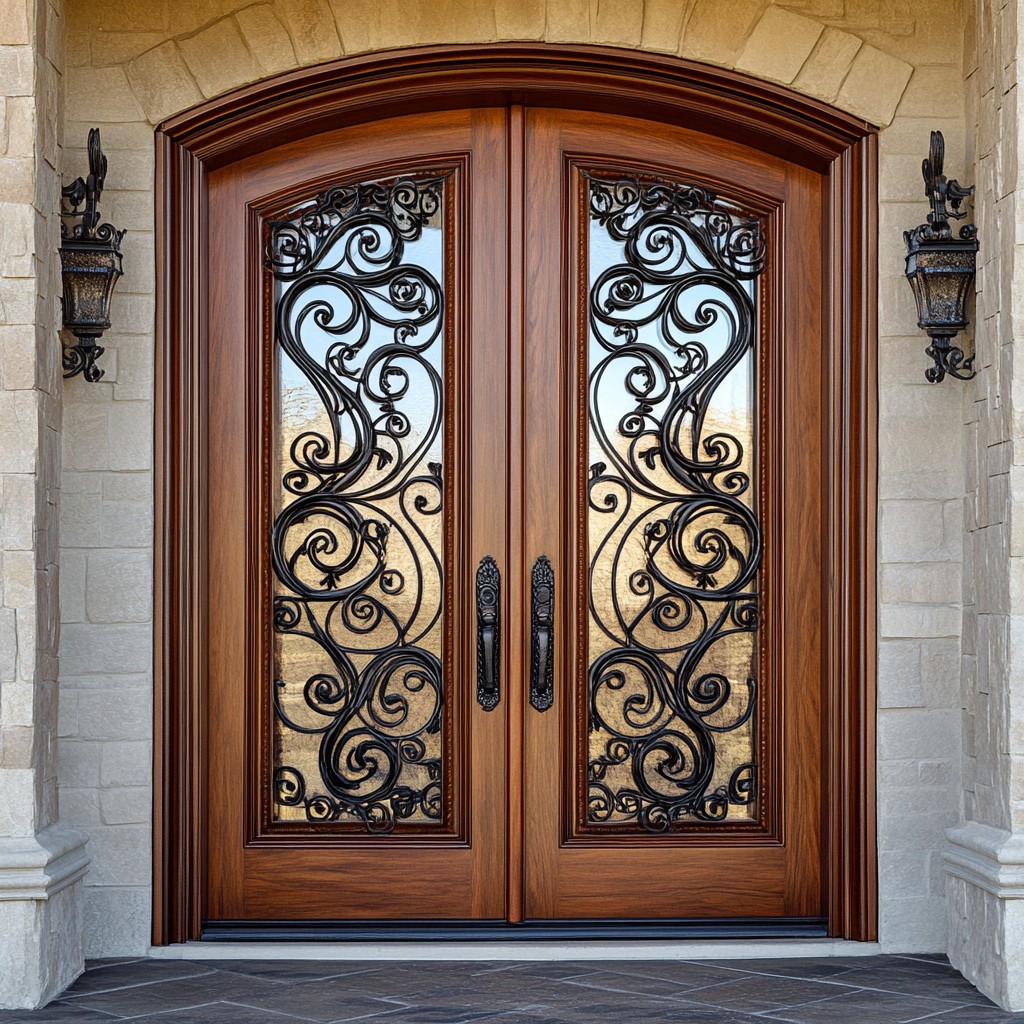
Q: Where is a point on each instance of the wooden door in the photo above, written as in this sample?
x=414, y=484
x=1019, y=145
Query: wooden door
x=516, y=519
x=677, y=486
x=355, y=480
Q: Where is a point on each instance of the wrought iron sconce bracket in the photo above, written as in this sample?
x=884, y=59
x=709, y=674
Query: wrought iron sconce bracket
x=941, y=268
x=90, y=260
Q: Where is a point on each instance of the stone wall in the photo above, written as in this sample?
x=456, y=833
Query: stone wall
x=986, y=861
x=892, y=62
x=41, y=863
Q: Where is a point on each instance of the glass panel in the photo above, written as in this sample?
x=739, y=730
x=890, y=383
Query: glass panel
x=673, y=537
x=358, y=539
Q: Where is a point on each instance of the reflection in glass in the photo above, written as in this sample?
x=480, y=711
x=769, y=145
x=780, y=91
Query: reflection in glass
x=358, y=535
x=674, y=542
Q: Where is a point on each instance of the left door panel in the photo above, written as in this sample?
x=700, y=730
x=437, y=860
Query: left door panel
x=357, y=476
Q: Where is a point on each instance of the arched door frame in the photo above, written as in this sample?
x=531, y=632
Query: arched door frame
x=355, y=90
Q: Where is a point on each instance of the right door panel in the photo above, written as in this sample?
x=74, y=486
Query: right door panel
x=677, y=489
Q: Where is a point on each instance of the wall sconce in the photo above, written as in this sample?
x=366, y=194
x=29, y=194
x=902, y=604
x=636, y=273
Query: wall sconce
x=940, y=268
x=90, y=262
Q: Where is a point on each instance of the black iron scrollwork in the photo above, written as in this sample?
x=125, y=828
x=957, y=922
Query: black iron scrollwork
x=542, y=634
x=673, y=572
x=357, y=574
x=488, y=634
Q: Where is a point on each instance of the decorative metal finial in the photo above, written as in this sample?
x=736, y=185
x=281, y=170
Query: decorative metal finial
x=941, y=268
x=90, y=256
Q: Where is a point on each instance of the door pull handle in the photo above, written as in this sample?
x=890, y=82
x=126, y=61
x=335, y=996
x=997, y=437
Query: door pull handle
x=488, y=633
x=542, y=628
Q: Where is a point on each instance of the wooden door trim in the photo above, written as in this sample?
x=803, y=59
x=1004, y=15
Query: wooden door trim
x=360, y=89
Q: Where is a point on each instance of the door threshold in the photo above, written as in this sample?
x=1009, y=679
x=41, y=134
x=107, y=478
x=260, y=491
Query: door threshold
x=605, y=949
x=501, y=931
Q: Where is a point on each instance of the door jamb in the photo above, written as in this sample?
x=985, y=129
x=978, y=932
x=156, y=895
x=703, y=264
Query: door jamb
x=277, y=110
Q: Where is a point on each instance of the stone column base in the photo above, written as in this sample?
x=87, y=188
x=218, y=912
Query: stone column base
x=985, y=899
x=40, y=915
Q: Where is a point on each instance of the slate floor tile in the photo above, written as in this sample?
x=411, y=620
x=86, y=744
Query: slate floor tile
x=158, y=997
x=764, y=994
x=331, y=999
x=57, y=1013
x=112, y=975
x=219, y=1013
x=862, y=1007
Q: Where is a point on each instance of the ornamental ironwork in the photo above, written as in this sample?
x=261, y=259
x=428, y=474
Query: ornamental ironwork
x=674, y=538
x=357, y=541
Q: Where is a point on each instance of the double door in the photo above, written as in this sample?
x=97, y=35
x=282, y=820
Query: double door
x=515, y=528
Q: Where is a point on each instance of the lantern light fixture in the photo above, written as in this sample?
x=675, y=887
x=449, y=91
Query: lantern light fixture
x=941, y=268
x=90, y=259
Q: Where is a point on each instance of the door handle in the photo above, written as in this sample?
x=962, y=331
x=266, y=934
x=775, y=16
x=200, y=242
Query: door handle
x=488, y=633
x=542, y=627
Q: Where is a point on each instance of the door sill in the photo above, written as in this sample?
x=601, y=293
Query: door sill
x=497, y=930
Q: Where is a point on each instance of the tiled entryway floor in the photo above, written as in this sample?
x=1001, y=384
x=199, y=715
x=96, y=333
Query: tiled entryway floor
x=862, y=990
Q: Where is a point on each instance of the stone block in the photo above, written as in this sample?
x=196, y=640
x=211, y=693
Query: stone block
x=908, y=621
x=617, y=22
x=126, y=763
x=717, y=30
x=874, y=85
x=18, y=809
x=267, y=38
x=14, y=23
x=119, y=586
x=899, y=674
x=17, y=184
x=16, y=70
x=312, y=28
x=17, y=356
x=921, y=583
x=19, y=579
x=514, y=19
x=568, y=21
x=135, y=369
x=779, y=45
x=663, y=25
x=131, y=436
x=117, y=921
x=80, y=807
x=915, y=531
x=127, y=806
x=824, y=71
x=162, y=83
x=85, y=437
x=219, y=58
x=120, y=855
x=81, y=517
x=116, y=713
x=127, y=524
x=100, y=95
x=95, y=650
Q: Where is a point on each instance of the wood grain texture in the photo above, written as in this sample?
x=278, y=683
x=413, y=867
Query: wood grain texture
x=262, y=122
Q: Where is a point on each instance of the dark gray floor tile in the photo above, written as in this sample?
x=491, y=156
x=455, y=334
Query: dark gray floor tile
x=295, y=972
x=330, y=999
x=106, y=976
x=219, y=1013
x=763, y=993
x=158, y=997
x=862, y=1007
x=56, y=1013
x=809, y=968
x=938, y=982
x=974, y=1015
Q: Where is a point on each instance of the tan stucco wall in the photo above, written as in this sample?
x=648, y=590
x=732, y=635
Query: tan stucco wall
x=893, y=62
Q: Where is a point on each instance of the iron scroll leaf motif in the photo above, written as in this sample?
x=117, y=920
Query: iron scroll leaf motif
x=357, y=540
x=674, y=539
x=488, y=634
